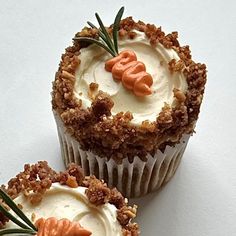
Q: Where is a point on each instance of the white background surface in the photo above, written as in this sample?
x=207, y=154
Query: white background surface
x=201, y=198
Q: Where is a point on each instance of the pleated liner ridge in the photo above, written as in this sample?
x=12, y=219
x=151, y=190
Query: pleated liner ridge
x=131, y=179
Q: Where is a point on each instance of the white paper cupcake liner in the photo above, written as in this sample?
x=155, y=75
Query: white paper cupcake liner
x=131, y=179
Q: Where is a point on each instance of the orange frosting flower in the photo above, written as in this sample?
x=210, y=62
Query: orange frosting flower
x=63, y=227
x=131, y=72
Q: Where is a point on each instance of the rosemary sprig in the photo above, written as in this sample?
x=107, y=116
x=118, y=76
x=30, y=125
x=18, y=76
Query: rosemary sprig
x=27, y=228
x=104, y=40
x=17, y=231
x=116, y=27
x=13, y=218
x=16, y=209
x=104, y=31
x=92, y=40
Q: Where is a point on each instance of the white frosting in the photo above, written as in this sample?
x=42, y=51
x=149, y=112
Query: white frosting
x=72, y=203
x=156, y=61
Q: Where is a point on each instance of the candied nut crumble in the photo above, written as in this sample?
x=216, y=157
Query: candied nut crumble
x=93, y=89
x=36, y=179
x=98, y=193
x=115, y=137
x=175, y=66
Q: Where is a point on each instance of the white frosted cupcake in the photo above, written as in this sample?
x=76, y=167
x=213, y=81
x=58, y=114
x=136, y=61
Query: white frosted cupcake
x=68, y=204
x=125, y=112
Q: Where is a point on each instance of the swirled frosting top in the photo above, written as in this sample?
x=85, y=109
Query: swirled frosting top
x=156, y=59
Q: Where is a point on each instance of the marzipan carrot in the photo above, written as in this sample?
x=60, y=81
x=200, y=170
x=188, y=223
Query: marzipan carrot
x=63, y=227
x=131, y=72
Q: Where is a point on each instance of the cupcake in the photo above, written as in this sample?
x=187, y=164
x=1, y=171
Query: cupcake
x=48, y=203
x=126, y=99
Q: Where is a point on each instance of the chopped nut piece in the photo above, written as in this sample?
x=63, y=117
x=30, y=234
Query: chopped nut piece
x=71, y=182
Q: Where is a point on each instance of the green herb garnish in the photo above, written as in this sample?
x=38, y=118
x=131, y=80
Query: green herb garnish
x=26, y=226
x=17, y=231
x=104, y=40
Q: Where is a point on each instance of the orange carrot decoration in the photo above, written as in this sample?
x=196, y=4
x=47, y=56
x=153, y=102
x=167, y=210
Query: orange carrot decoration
x=123, y=66
x=131, y=72
x=63, y=227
